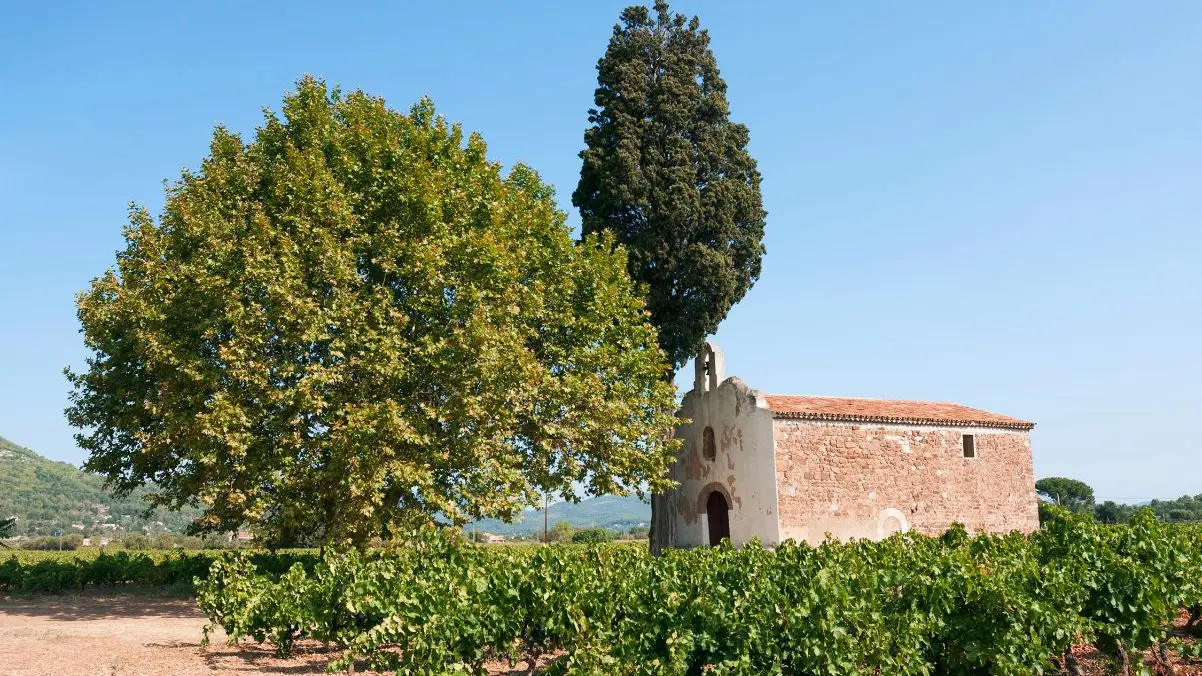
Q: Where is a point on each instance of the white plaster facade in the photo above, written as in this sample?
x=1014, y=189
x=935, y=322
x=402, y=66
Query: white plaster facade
x=742, y=469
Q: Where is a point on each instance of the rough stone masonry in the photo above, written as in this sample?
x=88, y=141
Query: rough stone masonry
x=778, y=467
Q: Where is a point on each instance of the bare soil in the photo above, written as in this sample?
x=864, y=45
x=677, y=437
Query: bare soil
x=148, y=633
x=135, y=634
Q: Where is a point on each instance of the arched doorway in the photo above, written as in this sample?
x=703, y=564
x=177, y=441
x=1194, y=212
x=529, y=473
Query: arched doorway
x=717, y=512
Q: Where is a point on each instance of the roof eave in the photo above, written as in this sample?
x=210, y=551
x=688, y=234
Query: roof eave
x=933, y=422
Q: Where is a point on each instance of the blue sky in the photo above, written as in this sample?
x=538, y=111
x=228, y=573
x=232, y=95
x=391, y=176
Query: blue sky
x=997, y=204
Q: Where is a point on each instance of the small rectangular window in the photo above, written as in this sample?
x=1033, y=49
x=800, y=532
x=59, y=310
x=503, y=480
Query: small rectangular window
x=970, y=446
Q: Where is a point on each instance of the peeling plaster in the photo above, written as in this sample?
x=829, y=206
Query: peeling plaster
x=748, y=482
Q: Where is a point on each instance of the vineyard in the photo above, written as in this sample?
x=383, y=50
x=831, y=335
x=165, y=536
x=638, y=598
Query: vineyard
x=956, y=604
x=51, y=571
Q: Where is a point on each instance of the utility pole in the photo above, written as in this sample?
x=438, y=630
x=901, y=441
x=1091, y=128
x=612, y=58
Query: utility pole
x=545, y=518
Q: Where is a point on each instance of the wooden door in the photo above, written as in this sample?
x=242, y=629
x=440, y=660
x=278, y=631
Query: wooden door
x=718, y=515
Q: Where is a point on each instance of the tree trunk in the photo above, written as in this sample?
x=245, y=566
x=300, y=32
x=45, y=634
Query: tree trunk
x=532, y=663
x=1124, y=659
x=663, y=522
x=1164, y=665
x=662, y=534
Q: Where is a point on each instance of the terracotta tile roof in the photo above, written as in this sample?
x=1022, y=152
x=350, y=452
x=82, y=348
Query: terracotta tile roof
x=888, y=411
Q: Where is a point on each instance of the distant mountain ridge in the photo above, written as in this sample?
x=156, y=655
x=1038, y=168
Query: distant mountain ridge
x=606, y=511
x=46, y=495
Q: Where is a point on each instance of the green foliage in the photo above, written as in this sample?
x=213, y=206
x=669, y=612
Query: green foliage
x=561, y=531
x=66, y=543
x=1184, y=508
x=1135, y=578
x=1113, y=512
x=1078, y=496
x=8, y=527
x=45, y=496
x=135, y=542
x=1068, y=493
x=53, y=571
x=355, y=322
x=669, y=174
x=593, y=536
x=955, y=605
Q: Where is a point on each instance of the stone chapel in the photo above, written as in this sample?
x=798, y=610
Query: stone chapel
x=779, y=467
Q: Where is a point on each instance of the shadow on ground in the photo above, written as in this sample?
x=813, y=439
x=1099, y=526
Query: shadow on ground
x=101, y=605
x=312, y=658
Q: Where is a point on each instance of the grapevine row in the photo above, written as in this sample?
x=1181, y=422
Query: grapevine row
x=955, y=604
x=57, y=572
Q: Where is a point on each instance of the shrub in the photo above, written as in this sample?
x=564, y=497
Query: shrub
x=66, y=543
x=592, y=536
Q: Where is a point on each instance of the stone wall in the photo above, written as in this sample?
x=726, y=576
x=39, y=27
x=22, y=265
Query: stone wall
x=869, y=480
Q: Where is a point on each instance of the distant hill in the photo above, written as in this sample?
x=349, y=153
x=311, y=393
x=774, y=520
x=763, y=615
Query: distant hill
x=608, y=511
x=46, y=495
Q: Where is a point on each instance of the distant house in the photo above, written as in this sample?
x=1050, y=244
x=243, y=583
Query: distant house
x=779, y=467
x=492, y=538
x=244, y=536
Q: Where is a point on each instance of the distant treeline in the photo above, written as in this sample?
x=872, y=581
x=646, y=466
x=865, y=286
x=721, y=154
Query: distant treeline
x=134, y=542
x=1184, y=508
x=1078, y=496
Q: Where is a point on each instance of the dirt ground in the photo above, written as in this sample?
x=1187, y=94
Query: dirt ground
x=144, y=634
x=133, y=634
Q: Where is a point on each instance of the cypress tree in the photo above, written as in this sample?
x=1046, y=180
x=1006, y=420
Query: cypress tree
x=668, y=172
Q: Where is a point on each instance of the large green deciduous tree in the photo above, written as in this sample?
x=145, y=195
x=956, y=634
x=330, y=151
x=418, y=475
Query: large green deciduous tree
x=668, y=172
x=355, y=322
x=1068, y=493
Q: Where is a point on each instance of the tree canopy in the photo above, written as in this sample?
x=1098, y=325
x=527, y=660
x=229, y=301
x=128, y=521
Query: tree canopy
x=668, y=172
x=1113, y=512
x=1184, y=508
x=1078, y=496
x=1068, y=493
x=355, y=322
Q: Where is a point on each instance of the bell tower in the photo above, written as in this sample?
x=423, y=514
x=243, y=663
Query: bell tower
x=709, y=369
